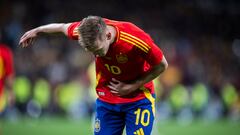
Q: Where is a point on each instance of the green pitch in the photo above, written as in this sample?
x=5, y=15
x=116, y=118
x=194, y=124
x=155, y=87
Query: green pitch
x=63, y=126
x=221, y=127
x=46, y=126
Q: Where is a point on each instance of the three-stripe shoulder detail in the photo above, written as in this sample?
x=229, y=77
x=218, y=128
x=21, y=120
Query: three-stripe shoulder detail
x=134, y=41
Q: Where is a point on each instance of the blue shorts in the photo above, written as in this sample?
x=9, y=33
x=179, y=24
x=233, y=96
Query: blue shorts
x=138, y=117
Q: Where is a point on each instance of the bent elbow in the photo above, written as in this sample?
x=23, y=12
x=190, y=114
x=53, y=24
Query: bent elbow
x=165, y=63
x=165, y=66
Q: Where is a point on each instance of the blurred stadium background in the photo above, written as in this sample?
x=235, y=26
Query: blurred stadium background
x=198, y=94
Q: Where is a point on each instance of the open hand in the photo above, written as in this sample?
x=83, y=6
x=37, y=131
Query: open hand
x=120, y=88
x=28, y=38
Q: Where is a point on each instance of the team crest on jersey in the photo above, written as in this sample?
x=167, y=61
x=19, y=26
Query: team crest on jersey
x=121, y=58
x=97, y=125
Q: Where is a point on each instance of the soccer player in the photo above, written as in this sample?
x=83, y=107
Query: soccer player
x=127, y=60
x=6, y=76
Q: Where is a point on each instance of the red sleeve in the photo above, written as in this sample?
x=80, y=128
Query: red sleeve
x=72, y=31
x=155, y=55
x=8, y=61
x=146, y=46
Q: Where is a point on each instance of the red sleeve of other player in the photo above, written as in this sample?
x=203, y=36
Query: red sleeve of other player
x=8, y=61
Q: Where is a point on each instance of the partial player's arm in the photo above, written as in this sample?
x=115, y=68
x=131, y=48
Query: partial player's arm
x=121, y=89
x=153, y=73
x=28, y=38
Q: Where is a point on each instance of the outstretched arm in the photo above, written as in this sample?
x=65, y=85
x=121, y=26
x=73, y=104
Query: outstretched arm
x=28, y=38
x=122, y=89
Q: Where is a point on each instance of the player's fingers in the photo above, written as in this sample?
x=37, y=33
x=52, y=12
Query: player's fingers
x=113, y=84
x=20, y=44
x=115, y=80
x=24, y=35
x=112, y=88
x=115, y=93
x=23, y=40
x=30, y=41
x=112, y=91
x=24, y=44
x=26, y=41
x=27, y=36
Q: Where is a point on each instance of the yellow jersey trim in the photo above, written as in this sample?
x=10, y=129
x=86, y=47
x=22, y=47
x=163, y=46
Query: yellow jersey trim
x=150, y=98
x=144, y=43
x=126, y=40
x=135, y=41
x=2, y=69
x=99, y=75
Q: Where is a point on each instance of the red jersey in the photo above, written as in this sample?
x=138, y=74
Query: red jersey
x=6, y=65
x=131, y=55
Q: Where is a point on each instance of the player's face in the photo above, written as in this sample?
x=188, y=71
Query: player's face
x=99, y=49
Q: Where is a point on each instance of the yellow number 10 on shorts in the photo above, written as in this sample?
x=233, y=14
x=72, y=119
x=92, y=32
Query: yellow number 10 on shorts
x=138, y=118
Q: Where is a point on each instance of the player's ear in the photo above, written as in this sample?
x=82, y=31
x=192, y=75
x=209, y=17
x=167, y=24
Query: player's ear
x=109, y=36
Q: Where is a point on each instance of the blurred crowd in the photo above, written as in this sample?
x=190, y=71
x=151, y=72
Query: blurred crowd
x=200, y=39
